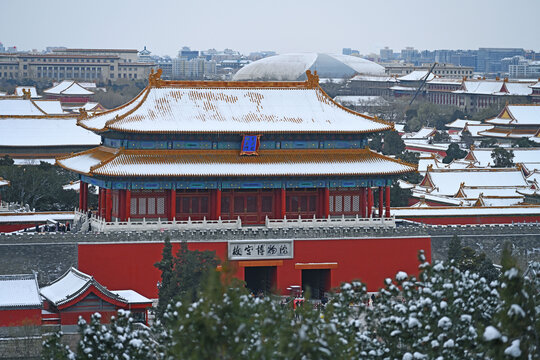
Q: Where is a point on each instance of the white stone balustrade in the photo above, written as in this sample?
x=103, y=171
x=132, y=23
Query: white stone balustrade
x=99, y=224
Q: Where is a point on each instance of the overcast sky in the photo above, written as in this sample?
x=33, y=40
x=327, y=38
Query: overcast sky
x=280, y=25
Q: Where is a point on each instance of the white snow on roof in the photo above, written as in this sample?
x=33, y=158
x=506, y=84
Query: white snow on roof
x=233, y=110
x=76, y=185
x=403, y=88
x=465, y=211
x=423, y=133
x=491, y=191
x=132, y=164
x=474, y=130
x=382, y=78
x=417, y=75
x=68, y=87
x=44, y=132
x=3, y=93
x=82, y=162
x=19, y=291
x=490, y=201
x=486, y=87
x=19, y=107
x=33, y=91
x=460, y=123
x=448, y=182
x=520, y=115
x=3, y=182
x=517, y=89
x=496, y=87
x=440, y=198
x=445, y=81
x=50, y=107
x=132, y=296
x=35, y=217
x=72, y=282
x=528, y=156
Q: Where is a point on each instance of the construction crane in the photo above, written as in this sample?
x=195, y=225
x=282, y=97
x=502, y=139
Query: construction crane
x=423, y=83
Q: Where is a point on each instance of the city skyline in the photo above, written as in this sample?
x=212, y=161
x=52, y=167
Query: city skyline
x=283, y=27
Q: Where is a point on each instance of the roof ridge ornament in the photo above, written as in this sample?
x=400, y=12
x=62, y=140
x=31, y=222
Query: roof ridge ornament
x=83, y=114
x=26, y=94
x=312, y=79
x=154, y=79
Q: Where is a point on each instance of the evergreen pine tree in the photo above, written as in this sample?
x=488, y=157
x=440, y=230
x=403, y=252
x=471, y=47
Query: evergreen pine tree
x=454, y=249
x=514, y=333
x=53, y=349
x=166, y=266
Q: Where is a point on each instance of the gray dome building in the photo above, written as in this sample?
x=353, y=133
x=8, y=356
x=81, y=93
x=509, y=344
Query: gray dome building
x=292, y=67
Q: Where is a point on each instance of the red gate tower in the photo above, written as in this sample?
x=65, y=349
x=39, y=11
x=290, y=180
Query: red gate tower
x=256, y=154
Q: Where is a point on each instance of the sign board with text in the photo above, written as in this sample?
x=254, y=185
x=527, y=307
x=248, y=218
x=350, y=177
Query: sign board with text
x=260, y=249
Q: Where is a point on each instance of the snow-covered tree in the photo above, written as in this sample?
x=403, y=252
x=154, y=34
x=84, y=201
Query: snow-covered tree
x=434, y=315
x=121, y=339
x=515, y=330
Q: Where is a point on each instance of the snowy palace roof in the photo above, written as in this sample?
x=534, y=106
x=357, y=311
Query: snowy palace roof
x=73, y=284
x=233, y=107
x=44, y=131
x=448, y=182
x=517, y=115
x=68, y=87
x=119, y=162
x=27, y=107
x=528, y=156
x=19, y=291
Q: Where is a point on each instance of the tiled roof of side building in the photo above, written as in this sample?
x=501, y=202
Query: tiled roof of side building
x=113, y=162
x=448, y=181
x=68, y=87
x=19, y=291
x=528, y=114
x=233, y=107
x=44, y=131
x=72, y=284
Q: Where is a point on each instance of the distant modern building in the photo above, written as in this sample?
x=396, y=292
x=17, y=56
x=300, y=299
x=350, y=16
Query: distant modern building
x=293, y=67
x=195, y=68
x=443, y=70
x=489, y=59
x=77, y=64
x=386, y=54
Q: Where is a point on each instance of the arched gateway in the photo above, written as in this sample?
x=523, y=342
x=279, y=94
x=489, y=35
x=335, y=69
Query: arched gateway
x=250, y=152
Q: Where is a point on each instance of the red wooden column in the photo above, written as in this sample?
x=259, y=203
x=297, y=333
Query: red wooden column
x=108, y=204
x=369, y=202
x=127, y=205
x=217, y=203
x=172, y=204
x=121, y=205
x=363, y=203
x=387, y=188
x=83, y=196
x=326, y=198
x=282, y=203
x=381, y=201
x=81, y=191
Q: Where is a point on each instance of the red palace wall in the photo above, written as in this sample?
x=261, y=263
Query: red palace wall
x=20, y=317
x=6, y=228
x=120, y=266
